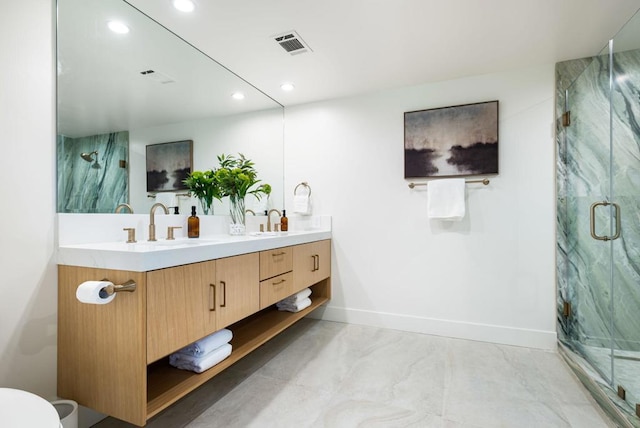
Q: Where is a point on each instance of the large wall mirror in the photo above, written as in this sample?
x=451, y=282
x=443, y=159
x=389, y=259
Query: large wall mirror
x=118, y=93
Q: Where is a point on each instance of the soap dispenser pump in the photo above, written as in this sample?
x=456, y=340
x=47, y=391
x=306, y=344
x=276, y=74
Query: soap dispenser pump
x=193, y=224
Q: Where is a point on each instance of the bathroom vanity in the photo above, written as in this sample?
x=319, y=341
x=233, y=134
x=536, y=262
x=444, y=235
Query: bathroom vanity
x=113, y=357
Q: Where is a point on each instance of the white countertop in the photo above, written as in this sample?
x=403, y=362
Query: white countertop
x=145, y=256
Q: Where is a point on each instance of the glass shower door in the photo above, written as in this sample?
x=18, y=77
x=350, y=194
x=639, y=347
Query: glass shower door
x=588, y=191
x=625, y=146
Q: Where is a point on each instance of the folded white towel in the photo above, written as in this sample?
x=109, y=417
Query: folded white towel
x=208, y=343
x=298, y=297
x=302, y=204
x=445, y=199
x=200, y=364
x=295, y=307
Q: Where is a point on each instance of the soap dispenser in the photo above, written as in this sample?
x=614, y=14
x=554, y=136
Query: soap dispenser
x=193, y=224
x=284, y=222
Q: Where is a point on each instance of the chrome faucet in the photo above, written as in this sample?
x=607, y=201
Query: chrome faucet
x=269, y=218
x=152, y=223
x=120, y=207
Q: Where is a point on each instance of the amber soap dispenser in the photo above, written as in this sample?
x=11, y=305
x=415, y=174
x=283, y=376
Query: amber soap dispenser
x=193, y=224
x=284, y=222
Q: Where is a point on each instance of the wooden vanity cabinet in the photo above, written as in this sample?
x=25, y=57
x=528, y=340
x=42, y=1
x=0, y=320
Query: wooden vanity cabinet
x=238, y=294
x=181, y=307
x=113, y=358
x=311, y=263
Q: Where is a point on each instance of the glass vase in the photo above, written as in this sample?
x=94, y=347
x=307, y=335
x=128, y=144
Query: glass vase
x=206, y=206
x=237, y=211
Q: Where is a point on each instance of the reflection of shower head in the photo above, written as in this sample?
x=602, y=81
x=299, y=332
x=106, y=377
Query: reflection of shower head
x=89, y=156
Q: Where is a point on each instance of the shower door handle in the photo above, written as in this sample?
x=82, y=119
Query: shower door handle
x=594, y=235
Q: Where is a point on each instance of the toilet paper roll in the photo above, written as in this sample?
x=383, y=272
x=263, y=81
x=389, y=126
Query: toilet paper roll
x=90, y=292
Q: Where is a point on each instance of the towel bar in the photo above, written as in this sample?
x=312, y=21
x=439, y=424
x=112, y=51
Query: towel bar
x=484, y=181
x=153, y=195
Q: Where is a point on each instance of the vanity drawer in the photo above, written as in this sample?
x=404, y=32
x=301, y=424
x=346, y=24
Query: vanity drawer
x=275, y=289
x=275, y=262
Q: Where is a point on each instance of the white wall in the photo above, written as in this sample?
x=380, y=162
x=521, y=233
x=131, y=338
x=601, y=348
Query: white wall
x=28, y=286
x=490, y=277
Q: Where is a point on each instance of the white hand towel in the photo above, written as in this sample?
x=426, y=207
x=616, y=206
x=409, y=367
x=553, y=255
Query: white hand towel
x=200, y=364
x=302, y=204
x=168, y=199
x=295, y=307
x=298, y=297
x=208, y=344
x=445, y=199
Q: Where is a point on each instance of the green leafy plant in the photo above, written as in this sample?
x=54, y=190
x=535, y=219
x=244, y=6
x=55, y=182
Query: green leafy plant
x=237, y=178
x=204, y=186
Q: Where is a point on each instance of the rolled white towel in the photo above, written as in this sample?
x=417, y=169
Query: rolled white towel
x=200, y=364
x=296, y=307
x=298, y=297
x=208, y=343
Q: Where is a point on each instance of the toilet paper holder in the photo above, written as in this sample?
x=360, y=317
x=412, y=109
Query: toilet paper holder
x=107, y=291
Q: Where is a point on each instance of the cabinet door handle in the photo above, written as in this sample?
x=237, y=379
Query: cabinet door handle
x=279, y=282
x=212, y=289
x=224, y=294
x=316, y=263
x=282, y=253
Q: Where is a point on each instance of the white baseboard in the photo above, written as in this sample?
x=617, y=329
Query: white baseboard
x=538, y=339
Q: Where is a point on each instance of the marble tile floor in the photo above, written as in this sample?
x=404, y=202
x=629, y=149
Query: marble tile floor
x=327, y=374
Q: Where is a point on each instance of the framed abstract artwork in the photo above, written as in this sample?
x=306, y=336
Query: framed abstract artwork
x=451, y=141
x=168, y=164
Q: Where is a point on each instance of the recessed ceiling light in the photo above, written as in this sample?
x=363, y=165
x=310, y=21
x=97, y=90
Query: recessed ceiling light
x=118, y=27
x=184, y=5
x=238, y=96
x=288, y=87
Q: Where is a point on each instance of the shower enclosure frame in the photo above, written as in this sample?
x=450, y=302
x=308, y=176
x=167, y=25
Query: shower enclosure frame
x=598, y=239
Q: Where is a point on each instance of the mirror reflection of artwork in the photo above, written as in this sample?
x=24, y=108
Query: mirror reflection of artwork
x=168, y=165
x=451, y=141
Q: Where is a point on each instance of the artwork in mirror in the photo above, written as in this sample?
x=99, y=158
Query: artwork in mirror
x=451, y=141
x=168, y=165
x=105, y=86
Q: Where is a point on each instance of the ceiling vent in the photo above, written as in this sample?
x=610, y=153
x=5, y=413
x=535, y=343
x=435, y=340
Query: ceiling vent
x=157, y=76
x=292, y=43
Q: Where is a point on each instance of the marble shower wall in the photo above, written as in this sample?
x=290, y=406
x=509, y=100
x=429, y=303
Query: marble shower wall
x=587, y=151
x=93, y=187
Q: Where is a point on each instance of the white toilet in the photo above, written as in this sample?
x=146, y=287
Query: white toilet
x=21, y=409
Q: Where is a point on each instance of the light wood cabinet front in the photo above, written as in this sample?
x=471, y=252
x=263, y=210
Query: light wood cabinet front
x=238, y=292
x=275, y=289
x=112, y=358
x=311, y=263
x=180, y=307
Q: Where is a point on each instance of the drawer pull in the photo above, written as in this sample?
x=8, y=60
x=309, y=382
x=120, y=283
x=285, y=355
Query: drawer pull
x=224, y=294
x=279, y=282
x=212, y=288
x=316, y=262
x=282, y=253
